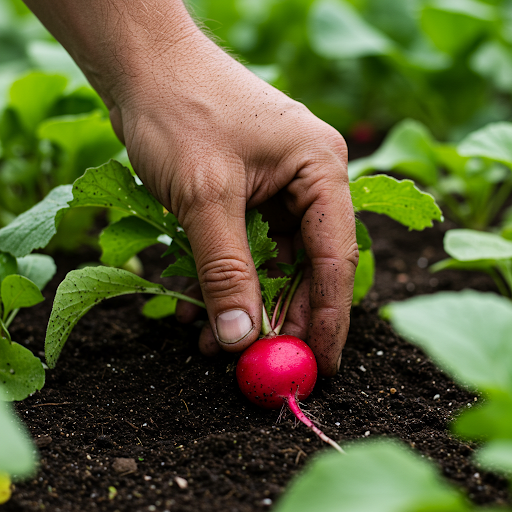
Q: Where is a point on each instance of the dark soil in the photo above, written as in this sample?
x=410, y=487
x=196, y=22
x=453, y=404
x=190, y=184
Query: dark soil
x=131, y=388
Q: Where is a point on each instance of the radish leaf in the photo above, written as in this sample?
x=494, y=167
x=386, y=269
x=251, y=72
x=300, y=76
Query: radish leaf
x=467, y=333
x=365, y=272
x=496, y=456
x=494, y=141
x=262, y=247
x=400, y=200
x=21, y=373
x=184, y=266
x=35, y=227
x=83, y=289
x=408, y=149
x=39, y=268
x=159, y=306
x=17, y=452
x=471, y=245
x=399, y=479
x=18, y=292
x=126, y=238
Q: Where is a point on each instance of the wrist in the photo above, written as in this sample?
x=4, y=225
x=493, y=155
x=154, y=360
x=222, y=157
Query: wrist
x=116, y=43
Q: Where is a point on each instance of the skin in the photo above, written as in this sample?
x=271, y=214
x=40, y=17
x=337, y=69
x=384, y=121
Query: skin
x=210, y=140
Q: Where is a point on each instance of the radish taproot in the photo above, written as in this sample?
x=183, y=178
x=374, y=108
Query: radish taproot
x=280, y=369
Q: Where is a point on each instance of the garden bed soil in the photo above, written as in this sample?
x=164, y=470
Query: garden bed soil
x=126, y=387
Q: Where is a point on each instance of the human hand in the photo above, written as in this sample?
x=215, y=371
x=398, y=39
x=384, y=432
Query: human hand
x=211, y=140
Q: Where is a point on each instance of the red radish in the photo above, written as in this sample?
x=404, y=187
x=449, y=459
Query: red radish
x=278, y=369
x=273, y=368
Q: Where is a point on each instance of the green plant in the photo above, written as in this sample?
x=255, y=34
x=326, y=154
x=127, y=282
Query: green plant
x=18, y=455
x=471, y=179
x=468, y=335
x=479, y=251
x=21, y=282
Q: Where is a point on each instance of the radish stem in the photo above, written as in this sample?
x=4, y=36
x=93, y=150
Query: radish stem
x=266, y=326
x=294, y=407
x=287, y=302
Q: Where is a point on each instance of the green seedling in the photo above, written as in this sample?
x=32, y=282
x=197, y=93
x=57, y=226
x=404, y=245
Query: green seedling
x=471, y=180
x=21, y=282
x=479, y=251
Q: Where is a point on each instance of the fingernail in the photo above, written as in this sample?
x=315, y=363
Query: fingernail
x=338, y=364
x=233, y=325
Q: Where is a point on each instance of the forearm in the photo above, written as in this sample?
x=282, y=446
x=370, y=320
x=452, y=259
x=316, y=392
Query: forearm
x=117, y=41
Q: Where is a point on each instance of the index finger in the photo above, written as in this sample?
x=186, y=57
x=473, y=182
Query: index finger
x=322, y=191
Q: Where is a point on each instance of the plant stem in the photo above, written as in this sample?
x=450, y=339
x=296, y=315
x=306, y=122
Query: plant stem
x=287, y=302
x=11, y=317
x=499, y=282
x=181, y=296
x=294, y=407
x=277, y=308
x=266, y=326
x=4, y=331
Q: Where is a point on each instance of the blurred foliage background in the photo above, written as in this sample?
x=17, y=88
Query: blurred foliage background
x=361, y=65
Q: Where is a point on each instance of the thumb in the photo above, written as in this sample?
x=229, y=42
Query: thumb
x=227, y=276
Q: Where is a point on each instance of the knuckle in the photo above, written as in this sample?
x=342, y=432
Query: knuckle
x=204, y=187
x=224, y=277
x=352, y=255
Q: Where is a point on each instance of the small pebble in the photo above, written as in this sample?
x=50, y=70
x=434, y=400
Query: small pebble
x=437, y=397
x=422, y=262
x=43, y=441
x=124, y=465
x=182, y=483
x=392, y=390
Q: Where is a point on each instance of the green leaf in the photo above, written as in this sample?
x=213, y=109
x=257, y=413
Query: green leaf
x=17, y=451
x=466, y=333
x=496, y=456
x=494, y=141
x=364, y=241
x=83, y=289
x=262, y=247
x=33, y=96
x=270, y=287
x=378, y=476
x=19, y=292
x=113, y=186
x=451, y=264
x=493, y=60
x=290, y=269
x=87, y=139
x=21, y=373
x=8, y=265
x=337, y=31
x=471, y=245
x=364, y=276
x=400, y=200
x=453, y=24
x=490, y=420
x=35, y=227
x=408, y=149
x=39, y=268
x=160, y=307
x=126, y=238
x=184, y=266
